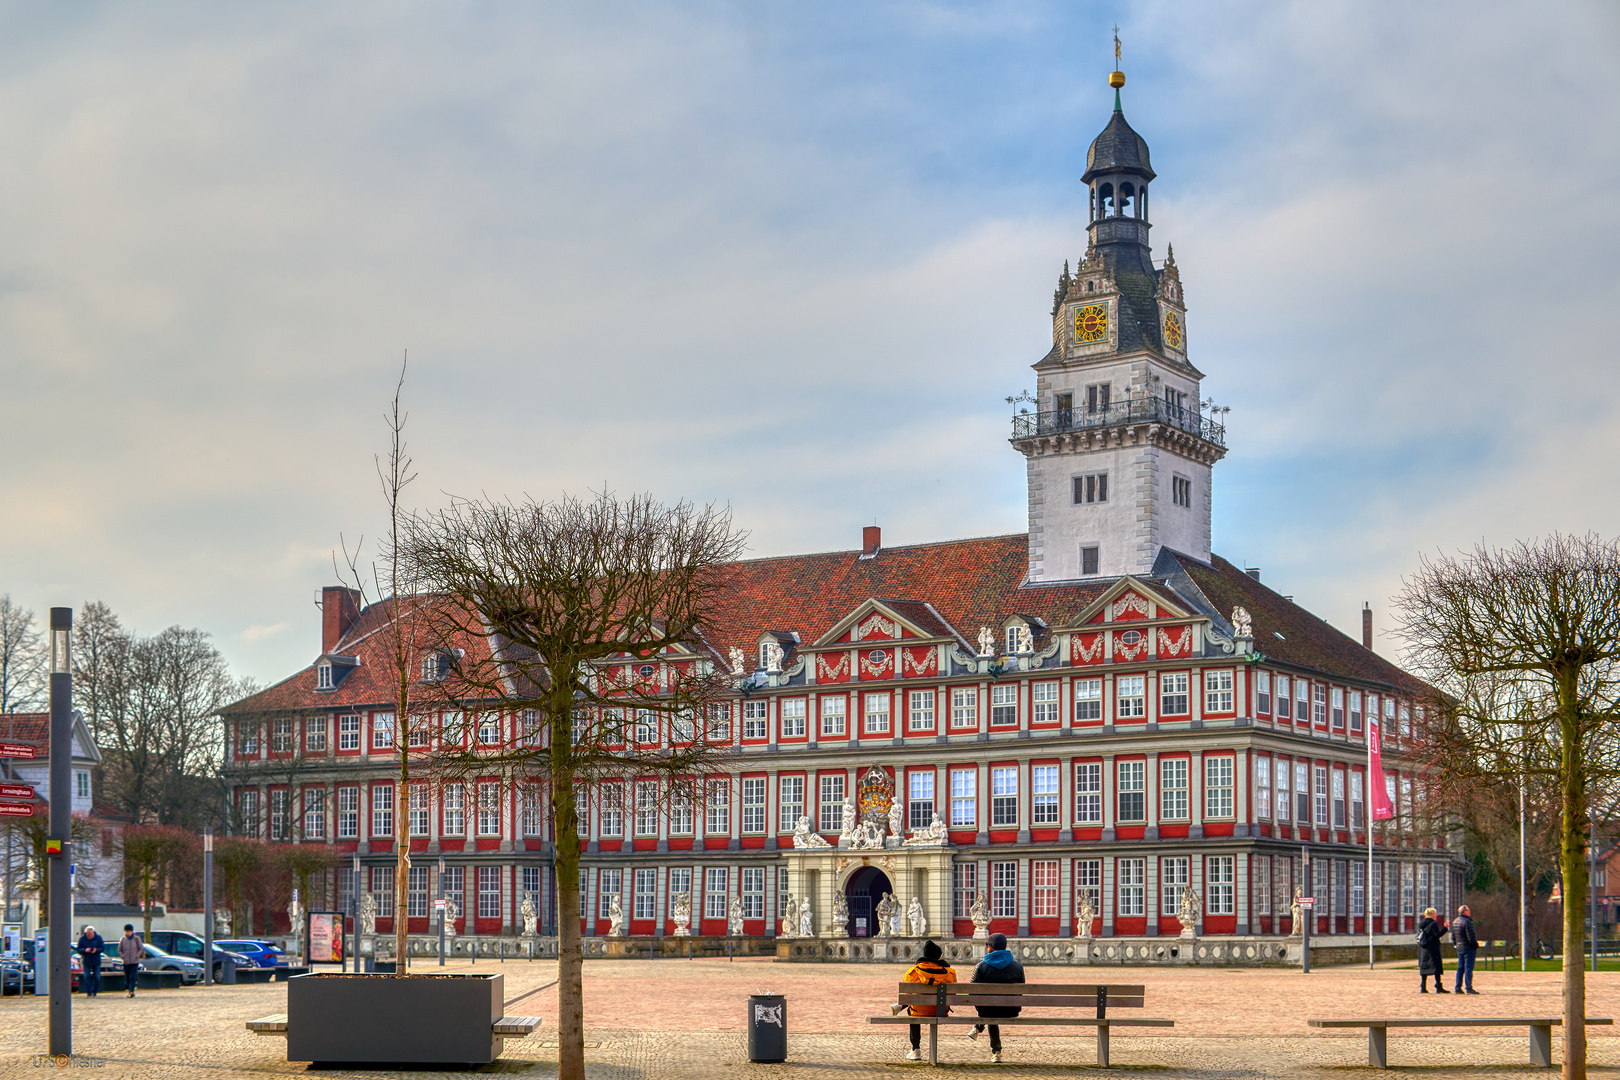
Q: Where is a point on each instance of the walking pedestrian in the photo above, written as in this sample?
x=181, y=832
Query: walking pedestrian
x=1462, y=937
x=998, y=966
x=91, y=946
x=130, y=951
x=1429, y=961
x=930, y=971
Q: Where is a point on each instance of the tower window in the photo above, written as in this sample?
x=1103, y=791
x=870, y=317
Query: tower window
x=1181, y=491
x=1063, y=405
x=1092, y=488
x=1097, y=398
x=1088, y=561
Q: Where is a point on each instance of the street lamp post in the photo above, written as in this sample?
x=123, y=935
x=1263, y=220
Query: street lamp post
x=441, y=911
x=60, y=941
x=208, y=907
x=1308, y=914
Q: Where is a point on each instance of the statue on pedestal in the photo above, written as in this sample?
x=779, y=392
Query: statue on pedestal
x=790, y=919
x=805, y=837
x=1191, y=907
x=840, y=926
x=734, y=919
x=773, y=657
x=846, y=835
x=980, y=914
x=682, y=914
x=897, y=819
x=222, y=923
x=987, y=641
x=807, y=920
x=615, y=917
x=295, y=920
x=919, y=921
x=451, y=914
x=886, y=909
x=368, y=914
x=528, y=913
x=1242, y=626
x=1084, y=914
x=1297, y=910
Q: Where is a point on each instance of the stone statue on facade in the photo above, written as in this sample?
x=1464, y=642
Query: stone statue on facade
x=789, y=918
x=886, y=909
x=806, y=837
x=1297, y=910
x=222, y=923
x=734, y=919
x=807, y=920
x=615, y=916
x=897, y=819
x=1084, y=914
x=682, y=914
x=933, y=835
x=528, y=913
x=295, y=920
x=451, y=914
x=840, y=925
x=737, y=661
x=773, y=657
x=1026, y=640
x=980, y=914
x=846, y=835
x=919, y=921
x=1241, y=625
x=1191, y=907
x=987, y=641
x=368, y=914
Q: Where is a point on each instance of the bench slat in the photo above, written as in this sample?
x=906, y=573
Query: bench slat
x=1030, y=1001
x=1456, y=1021
x=1121, y=989
x=1027, y=1021
x=517, y=1026
x=274, y=1024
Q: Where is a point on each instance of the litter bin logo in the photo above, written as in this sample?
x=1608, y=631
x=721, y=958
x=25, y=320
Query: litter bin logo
x=768, y=1014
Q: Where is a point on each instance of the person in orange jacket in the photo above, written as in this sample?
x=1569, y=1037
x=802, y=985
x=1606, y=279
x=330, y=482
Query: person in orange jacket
x=931, y=971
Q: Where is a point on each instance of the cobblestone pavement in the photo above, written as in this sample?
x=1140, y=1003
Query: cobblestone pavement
x=675, y=1019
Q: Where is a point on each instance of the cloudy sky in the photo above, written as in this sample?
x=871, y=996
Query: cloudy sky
x=790, y=257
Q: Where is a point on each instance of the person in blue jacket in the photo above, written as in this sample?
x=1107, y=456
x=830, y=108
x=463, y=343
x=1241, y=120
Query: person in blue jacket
x=998, y=966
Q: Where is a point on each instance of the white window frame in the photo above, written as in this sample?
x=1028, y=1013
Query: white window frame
x=1130, y=697
x=753, y=809
x=349, y=731
x=965, y=798
x=1130, y=778
x=831, y=789
x=348, y=816
x=1043, y=888
x=1004, y=705
x=875, y=713
x=756, y=719
x=789, y=802
x=1219, y=696
x=1220, y=884
x=1220, y=786
x=1174, y=697
x=834, y=710
x=965, y=707
x=1044, y=703
x=1130, y=888
x=792, y=712
x=920, y=710
x=382, y=809
x=1087, y=699
x=1004, y=797
x=1044, y=794
x=1173, y=789
x=453, y=809
x=1088, y=793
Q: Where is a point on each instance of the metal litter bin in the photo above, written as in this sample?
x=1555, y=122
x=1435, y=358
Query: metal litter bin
x=227, y=971
x=767, y=1027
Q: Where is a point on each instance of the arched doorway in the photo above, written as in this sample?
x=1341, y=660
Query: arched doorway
x=862, y=891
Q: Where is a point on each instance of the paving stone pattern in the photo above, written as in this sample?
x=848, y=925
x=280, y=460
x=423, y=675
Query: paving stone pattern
x=680, y=1019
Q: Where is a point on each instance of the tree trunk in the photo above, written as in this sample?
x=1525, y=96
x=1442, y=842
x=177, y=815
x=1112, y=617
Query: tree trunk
x=570, y=966
x=1572, y=857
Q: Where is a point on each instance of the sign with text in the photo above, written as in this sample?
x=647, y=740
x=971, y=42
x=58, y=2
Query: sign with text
x=1307, y=901
x=16, y=791
x=22, y=750
x=12, y=809
x=325, y=937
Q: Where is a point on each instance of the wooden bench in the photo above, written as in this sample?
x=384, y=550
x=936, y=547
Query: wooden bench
x=1378, y=1032
x=944, y=997
x=508, y=1027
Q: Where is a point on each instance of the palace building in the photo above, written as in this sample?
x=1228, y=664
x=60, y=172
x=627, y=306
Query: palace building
x=1097, y=714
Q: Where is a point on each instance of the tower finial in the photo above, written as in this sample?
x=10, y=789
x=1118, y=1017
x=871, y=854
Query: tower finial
x=1116, y=79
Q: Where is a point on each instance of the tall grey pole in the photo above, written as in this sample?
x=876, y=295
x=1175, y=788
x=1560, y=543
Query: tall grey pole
x=354, y=913
x=1309, y=914
x=208, y=907
x=441, y=911
x=1591, y=877
x=57, y=848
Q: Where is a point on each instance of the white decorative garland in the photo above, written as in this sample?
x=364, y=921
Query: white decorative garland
x=1129, y=602
x=1086, y=654
x=826, y=672
x=1173, y=646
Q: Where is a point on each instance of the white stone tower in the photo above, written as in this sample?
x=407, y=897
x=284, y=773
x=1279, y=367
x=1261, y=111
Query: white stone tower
x=1118, y=444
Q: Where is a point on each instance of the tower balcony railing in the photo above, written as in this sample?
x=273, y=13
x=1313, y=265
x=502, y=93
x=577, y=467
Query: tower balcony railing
x=1143, y=410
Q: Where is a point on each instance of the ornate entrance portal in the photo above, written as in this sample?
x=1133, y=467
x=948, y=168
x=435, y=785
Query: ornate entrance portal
x=863, y=891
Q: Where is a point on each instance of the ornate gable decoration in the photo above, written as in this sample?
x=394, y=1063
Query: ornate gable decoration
x=1129, y=600
x=872, y=620
x=875, y=626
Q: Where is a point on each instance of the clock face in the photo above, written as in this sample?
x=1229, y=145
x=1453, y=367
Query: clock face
x=1174, y=334
x=1091, y=323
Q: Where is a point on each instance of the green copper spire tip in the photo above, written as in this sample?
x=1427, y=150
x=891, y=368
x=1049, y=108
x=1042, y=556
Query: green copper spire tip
x=1116, y=101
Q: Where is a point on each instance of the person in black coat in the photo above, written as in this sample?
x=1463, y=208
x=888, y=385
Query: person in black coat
x=998, y=966
x=91, y=946
x=1430, y=930
x=1467, y=944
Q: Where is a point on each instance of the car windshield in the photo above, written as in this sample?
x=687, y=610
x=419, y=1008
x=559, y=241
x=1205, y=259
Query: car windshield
x=187, y=946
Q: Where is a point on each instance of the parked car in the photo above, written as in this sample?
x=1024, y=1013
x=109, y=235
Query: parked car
x=76, y=968
x=16, y=975
x=184, y=943
x=157, y=960
x=262, y=953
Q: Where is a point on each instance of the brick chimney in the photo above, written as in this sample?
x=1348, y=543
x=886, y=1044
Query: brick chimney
x=1366, y=624
x=871, y=541
x=339, y=608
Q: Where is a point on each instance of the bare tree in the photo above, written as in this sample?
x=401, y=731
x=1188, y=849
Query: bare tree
x=149, y=853
x=395, y=473
x=579, y=614
x=238, y=860
x=1523, y=646
x=22, y=659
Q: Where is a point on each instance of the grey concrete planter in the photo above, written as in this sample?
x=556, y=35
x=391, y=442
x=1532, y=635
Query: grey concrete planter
x=378, y=1019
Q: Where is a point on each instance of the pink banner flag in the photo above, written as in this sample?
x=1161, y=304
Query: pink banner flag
x=1381, y=808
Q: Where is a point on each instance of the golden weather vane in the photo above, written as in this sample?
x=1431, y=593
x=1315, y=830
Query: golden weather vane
x=1117, y=78
x=1116, y=46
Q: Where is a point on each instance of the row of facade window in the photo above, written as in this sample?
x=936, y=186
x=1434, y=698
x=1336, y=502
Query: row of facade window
x=1276, y=696
x=486, y=901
